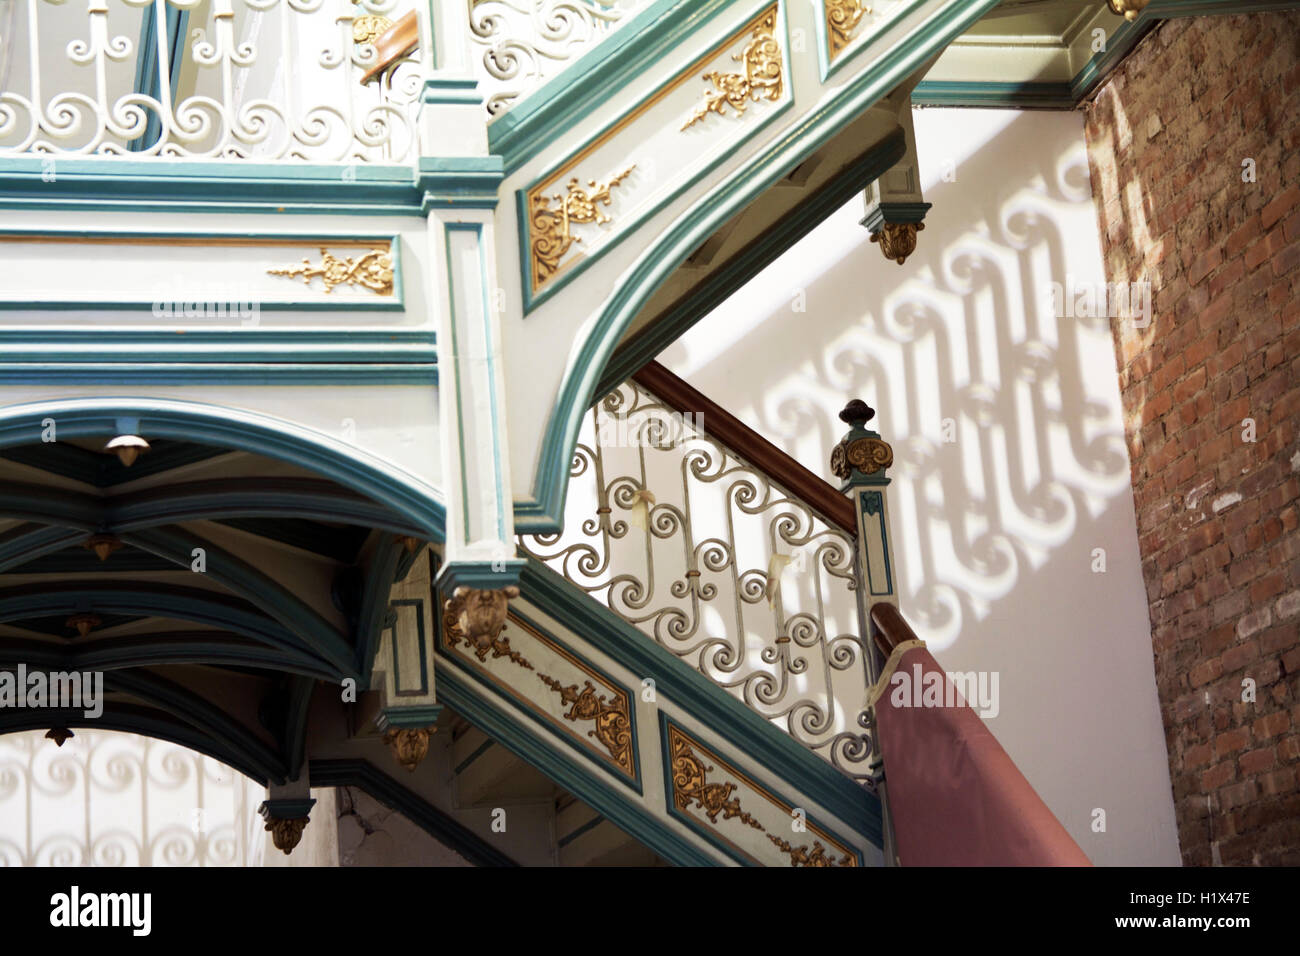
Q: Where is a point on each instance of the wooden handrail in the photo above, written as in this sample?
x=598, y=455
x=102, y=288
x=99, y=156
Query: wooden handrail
x=890, y=629
x=717, y=422
x=393, y=44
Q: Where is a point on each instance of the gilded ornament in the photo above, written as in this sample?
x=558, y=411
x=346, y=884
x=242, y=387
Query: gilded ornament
x=867, y=455
x=286, y=832
x=760, y=79
x=802, y=856
x=369, y=28
x=842, y=18
x=409, y=745
x=1128, y=9
x=552, y=226
x=477, y=618
x=897, y=239
x=373, y=271
x=691, y=785
x=613, y=727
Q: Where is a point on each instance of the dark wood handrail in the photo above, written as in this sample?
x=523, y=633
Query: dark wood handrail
x=717, y=422
x=890, y=629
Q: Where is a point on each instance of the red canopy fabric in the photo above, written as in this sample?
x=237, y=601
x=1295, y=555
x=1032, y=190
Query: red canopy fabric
x=955, y=796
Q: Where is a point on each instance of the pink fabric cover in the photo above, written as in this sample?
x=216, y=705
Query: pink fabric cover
x=955, y=796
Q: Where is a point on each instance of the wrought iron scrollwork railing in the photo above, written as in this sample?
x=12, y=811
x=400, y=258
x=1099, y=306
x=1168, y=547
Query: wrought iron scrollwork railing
x=520, y=43
x=107, y=798
x=710, y=556
x=229, y=79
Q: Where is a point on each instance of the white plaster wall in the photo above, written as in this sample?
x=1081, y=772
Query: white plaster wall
x=995, y=531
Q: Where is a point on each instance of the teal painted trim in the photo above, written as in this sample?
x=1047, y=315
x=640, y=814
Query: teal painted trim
x=218, y=648
x=439, y=825
x=896, y=212
x=355, y=344
x=209, y=500
x=542, y=117
x=243, y=580
x=162, y=309
x=162, y=185
x=18, y=547
x=705, y=701
x=374, y=603
x=607, y=799
x=587, y=827
x=711, y=834
x=532, y=710
x=480, y=575
x=147, y=723
x=1030, y=95
x=410, y=717
x=1118, y=45
x=297, y=710
x=482, y=749
x=486, y=321
x=286, y=808
x=463, y=182
x=856, y=45
x=873, y=505
x=684, y=236
x=423, y=690
x=627, y=227
x=157, y=600
x=237, y=429
x=90, y=373
x=753, y=259
x=200, y=713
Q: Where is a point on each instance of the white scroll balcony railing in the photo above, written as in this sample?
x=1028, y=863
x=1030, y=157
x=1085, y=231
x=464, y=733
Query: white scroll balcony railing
x=519, y=44
x=261, y=80
x=707, y=555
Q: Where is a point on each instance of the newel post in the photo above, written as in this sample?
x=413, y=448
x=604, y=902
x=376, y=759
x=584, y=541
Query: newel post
x=860, y=461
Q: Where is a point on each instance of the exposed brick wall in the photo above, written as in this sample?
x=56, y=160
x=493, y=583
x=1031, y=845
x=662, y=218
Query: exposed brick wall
x=1217, y=515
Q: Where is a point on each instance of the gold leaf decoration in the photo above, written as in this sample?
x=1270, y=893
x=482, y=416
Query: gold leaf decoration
x=842, y=18
x=760, y=79
x=613, y=727
x=802, y=856
x=369, y=28
x=691, y=784
x=453, y=633
x=373, y=270
x=552, y=226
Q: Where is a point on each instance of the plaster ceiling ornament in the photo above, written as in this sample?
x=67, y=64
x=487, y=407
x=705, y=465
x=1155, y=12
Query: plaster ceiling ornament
x=760, y=79
x=551, y=226
x=102, y=544
x=897, y=239
x=373, y=270
x=83, y=624
x=1128, y=9
x=409, y=745
x=127, y=448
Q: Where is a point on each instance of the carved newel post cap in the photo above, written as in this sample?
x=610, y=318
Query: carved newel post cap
x=857, y=412
x=861, y=456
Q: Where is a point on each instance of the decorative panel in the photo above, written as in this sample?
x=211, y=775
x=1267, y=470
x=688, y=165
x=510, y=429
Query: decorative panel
x=742, y=817
x=661, y=146
x=563, y=690
x=196, y=278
